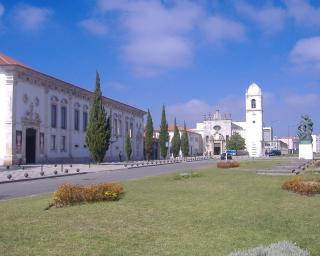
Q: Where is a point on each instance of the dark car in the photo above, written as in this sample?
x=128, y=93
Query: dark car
x=223, y=156
x=275, y=153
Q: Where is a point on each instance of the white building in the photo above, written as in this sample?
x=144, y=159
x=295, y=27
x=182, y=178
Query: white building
x=44, y=119
x=195, y=141
x=216, y=129
x=316, y=143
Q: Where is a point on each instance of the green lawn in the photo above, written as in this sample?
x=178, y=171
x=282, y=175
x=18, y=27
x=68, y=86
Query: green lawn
x=214, y=214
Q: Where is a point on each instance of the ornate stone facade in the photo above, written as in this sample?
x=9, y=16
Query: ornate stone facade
x=51, y=116
x=216, y=129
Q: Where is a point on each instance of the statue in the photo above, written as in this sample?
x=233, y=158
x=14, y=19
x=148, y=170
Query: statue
x=305, y=130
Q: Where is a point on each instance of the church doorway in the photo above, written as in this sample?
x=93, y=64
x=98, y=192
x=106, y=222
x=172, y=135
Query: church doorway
x=31, y=145
x=217, y=149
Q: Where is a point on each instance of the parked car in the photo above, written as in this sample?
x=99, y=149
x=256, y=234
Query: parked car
x=232, y=152
x=274, y=152
x=223, y=156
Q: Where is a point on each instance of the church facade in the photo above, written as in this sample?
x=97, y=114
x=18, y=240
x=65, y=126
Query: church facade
x=44, y=119
x=216, y=129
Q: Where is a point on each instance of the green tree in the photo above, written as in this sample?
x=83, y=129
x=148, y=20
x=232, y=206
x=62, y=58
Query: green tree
x=148, y=137
x=185, y=142
x=164, y=134
x=176, y=141
x=236, y=142
x=128, y=147
x=99, y=127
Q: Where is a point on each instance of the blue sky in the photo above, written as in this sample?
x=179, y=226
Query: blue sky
x=192, y=56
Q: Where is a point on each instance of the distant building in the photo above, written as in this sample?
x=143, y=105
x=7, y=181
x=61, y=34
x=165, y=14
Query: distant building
x=287, y=145
x=316, y=143
x=216, y=129
x=195, y=141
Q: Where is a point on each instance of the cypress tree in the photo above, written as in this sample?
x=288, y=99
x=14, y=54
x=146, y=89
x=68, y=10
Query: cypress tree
x=185, y=142
x=176, y=141
x=99, y=126
x=148, y=138
x=128, y=147
x=164, y=134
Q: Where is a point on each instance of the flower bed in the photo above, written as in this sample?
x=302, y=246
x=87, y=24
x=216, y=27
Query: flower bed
x=304, y=187
x=228, y=164
x=69, y=194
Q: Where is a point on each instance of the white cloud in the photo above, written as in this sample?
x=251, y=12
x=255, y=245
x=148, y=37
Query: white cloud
x=306, y=54
x=304, y=100
x=190, y=111
x=94, y=26
x=303, y=12
x=269, y=18
x=193, y=110
x=1, y=10
x=159, y=34
x=116, y=86
x=30, y=17
x=218, y=29
x=280, y=109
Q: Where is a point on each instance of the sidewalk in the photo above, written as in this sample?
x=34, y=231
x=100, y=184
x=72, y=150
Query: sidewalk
x=30, y=172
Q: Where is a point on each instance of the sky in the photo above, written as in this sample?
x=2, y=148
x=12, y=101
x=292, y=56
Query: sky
x=193, y=56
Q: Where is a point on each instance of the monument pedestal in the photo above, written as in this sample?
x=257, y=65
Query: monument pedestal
x=306, y=151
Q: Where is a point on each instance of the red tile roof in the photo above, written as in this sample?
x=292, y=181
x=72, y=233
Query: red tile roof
x=6, y=60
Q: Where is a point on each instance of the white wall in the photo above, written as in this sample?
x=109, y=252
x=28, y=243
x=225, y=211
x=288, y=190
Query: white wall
x=31, y=96
x=254, y=120
x=2, y=117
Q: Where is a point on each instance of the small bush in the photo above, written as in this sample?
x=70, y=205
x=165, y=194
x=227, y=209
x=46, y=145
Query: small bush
x=68, y=194
x=187, y=175
x=284, y=248
x=228, y=164
x=304, y=187
x=317, y=163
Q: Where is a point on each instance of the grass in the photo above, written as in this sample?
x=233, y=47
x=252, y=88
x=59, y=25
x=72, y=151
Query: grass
x=214, y=214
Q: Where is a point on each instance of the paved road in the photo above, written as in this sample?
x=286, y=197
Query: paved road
x=35, y=187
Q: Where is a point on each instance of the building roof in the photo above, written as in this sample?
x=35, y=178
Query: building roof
x=8, y=61
x=254, y=89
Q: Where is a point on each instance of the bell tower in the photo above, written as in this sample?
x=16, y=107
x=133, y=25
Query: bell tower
x=254, y=120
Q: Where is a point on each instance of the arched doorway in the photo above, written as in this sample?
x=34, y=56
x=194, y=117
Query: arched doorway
x=31, y=145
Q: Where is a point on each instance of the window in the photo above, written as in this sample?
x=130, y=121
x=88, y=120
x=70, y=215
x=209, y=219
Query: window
x=63, y=117
x=54, y=116
x=253, y=103
x=115, y=126
x=76, y=120
x=227, y=137
x=53, y=142
x=131, y=130
x=63, y=143
x=120, y=127
x=85, y=120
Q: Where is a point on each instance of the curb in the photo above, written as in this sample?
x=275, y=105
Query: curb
x=41, y=178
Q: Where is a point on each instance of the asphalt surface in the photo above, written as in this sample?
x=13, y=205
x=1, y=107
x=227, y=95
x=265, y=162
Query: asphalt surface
x=36, y=187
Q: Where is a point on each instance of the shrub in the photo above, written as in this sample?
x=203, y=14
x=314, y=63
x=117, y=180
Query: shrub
x=69, y=194
x=317, y=163
x=304, y=187
x=284, y=248
x=228, y=164
x=187, y=175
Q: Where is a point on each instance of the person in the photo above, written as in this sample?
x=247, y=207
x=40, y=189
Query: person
x=120, y=157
